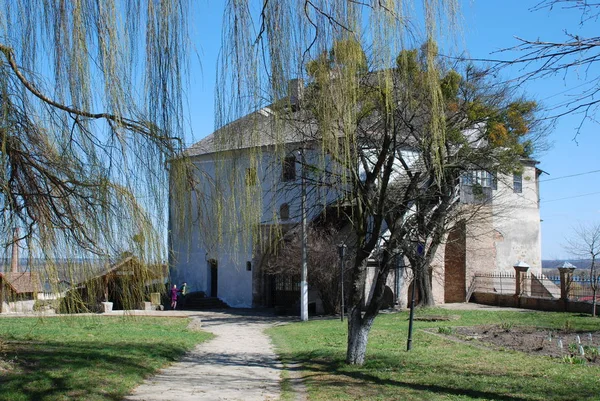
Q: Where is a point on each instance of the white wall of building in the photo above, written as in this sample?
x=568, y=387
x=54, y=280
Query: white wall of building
x=516, y=218
x=508, y=232
x=223, y=233
x=18, y=306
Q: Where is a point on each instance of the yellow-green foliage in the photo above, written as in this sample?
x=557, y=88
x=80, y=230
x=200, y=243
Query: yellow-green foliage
x=450, y=84
x=408, y=65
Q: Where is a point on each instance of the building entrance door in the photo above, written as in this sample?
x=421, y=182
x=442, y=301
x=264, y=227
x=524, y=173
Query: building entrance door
x=455, y=265
x=214, y=278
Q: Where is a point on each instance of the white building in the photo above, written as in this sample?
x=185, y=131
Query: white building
x=257, y=180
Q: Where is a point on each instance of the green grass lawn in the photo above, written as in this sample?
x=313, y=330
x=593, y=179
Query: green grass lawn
x=86, y=358
x=437, y=368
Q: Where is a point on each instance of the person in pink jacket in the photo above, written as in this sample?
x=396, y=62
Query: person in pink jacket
x=174, y=292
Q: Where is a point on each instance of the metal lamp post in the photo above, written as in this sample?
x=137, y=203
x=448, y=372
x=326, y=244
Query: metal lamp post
x=303, y=281
x=342, y=253
x=420, y=252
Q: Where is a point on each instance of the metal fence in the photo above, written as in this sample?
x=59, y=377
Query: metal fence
x=581, y=289
x=500, y=282
x=534, y=285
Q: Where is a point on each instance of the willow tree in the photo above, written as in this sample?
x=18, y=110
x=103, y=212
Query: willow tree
x=395, y=200
x=362, y=107
x=91, y=110
x=257, y=65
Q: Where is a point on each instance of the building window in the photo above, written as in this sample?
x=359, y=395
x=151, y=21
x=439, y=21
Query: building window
x=288, y=169
x=284, y=211
x=477, y=187
x=481, y=178
x=248, y=266
x=517, y=183
x=467, y=179
x=251, y=176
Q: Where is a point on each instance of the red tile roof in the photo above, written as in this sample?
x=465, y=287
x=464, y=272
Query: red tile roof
x=22, y=282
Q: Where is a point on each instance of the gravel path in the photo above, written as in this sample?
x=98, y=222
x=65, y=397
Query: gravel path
x=238, y=364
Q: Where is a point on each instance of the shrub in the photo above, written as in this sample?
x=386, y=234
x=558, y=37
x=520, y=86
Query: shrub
x=41, y=305
x=445, y=330
x=574, y=360
x=568, y=326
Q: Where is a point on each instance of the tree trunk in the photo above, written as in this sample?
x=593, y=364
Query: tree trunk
x=358, y=336
x=594, y=291
x=359, y=323
x=423, y=277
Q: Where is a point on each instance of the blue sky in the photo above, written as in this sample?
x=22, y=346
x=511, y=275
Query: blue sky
x=492, y=25
x=487, y=26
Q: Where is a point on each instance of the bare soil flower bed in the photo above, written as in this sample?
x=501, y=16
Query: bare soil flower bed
x=536, y=341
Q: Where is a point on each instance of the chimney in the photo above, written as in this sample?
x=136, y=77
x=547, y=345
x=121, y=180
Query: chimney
x=295, y=89
x=14, y=263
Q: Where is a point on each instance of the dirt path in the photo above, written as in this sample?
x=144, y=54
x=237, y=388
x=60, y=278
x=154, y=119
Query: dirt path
x=238, y=364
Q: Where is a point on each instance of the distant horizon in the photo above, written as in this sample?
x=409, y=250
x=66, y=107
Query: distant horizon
x=555, y=263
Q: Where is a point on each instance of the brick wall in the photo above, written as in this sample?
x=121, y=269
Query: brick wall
x=534, y=303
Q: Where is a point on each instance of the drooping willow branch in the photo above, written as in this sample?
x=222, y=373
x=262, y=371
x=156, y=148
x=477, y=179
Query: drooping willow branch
x=141, y=127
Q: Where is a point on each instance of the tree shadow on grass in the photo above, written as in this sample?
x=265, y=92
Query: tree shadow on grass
x=80, y=370
x=328, y=369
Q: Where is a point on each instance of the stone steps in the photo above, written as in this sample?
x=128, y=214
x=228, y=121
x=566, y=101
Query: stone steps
x=200, y=302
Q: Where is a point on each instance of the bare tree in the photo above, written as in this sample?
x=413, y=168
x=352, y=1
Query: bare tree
x=575, y=56
x=585, y=244
x=358, y=106
x=323, y=263
x=399, y=184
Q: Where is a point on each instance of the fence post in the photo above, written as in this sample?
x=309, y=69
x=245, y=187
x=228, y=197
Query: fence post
x=520, y=271
x=566, y=278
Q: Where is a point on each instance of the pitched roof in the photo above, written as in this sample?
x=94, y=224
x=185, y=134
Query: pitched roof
x=256, y=129
x=22, y=282
x=131, y=264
